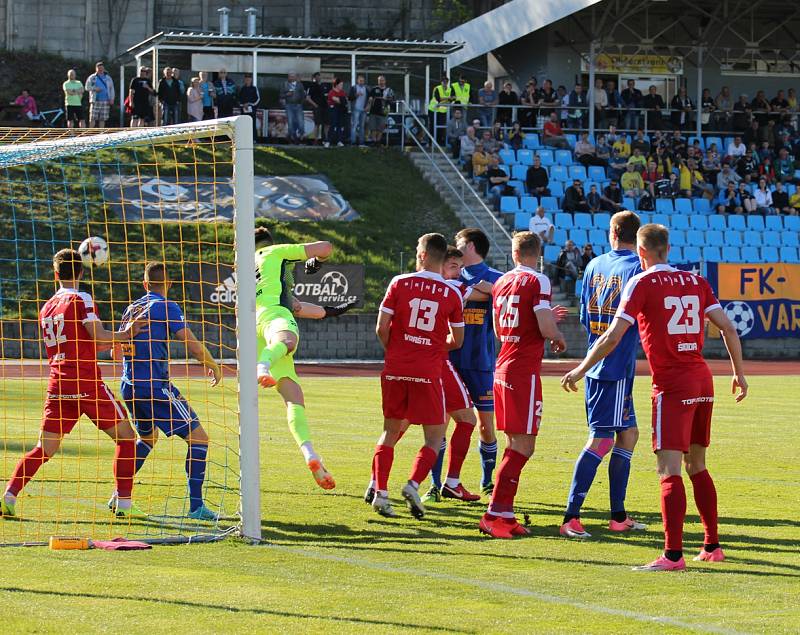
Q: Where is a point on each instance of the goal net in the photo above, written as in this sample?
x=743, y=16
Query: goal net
x=182, y=195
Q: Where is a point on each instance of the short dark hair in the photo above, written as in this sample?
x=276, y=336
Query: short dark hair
x=263, y=235
x=67, y=264
x=453, y=252
x=624, y=226
x=477, y=238
x=434, y=245
x=527, y=244
x=156, y=272
x=654, y=238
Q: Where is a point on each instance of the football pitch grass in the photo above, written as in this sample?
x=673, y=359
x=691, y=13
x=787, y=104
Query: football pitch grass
x=328, y=562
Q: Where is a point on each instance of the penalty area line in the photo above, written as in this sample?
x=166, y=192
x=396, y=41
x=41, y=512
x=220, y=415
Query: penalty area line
x=506, y=589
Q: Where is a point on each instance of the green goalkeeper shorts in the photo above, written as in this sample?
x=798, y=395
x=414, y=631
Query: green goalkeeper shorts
x=272, y=320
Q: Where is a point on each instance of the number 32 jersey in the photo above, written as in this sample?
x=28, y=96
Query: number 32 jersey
x=671, y=307
x=423, y=306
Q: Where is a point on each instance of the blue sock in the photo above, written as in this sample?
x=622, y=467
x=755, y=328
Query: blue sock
x=488, y=452
x=196, y=473
x=585, y=470
x=619, y=469
x=142, y=450
x=436, y=470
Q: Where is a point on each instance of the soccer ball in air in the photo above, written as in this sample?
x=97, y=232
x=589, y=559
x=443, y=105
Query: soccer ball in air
x=93, y=252
x=741, y=315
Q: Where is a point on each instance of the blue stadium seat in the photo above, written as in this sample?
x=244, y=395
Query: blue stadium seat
x=602, y=220
x=508, y=157
x=756, y=223
x=678, y=221
x=645, y=217
x=546, y=156
x=698, y=222
x=769, y=254
x=701, y=206
x=732, y=238
x=750, y=254
x=563, y=220
x=676, y=255
x=531, y=141
x=701, y=140
x=771, y=238
x=664, y=206
x=522, y=221
x=509, y=204
x=737, y=223
x=661, y=219
x=712, y=254
x=598, y=237
x=692, y=254
x=578, y=172
x=525, y=157
x=564, y=157
x=717, y=221
x=529, y=204
x=725, y=143
x=628, y=203
x=752, y=239
x=505, y=168
x=549, y=203
x=730, y=254
x=579, y=236
x=556, y=188
x=597, y=173
x=774, y=223
x=790, y=239
x=792, y=223
x=714, y=238
x=695, y=238
x=519, y=172
x=677, y=237
x=790, y=255
x=791, y=188
x=559, y=173
x=518, y=185
x=582, y=220
x=551, y=252
x=718, y=140
x=683, y=205
x=560, y=236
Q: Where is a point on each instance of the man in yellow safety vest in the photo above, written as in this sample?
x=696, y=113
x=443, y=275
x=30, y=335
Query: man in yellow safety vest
x=442, y=96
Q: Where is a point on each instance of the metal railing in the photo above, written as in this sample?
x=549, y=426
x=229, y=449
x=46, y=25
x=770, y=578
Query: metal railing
x=462, y=190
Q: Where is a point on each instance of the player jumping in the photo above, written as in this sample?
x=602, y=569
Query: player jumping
x=609, y=385
x=523, y=321
x=420, y=318
x=72, y=335
x=671, y=307
x=151, y=398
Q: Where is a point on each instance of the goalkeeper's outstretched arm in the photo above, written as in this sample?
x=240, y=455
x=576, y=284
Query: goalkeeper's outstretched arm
x=309, y=311
x=199, y=351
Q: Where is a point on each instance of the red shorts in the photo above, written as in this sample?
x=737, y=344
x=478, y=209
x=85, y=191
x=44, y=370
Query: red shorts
x=456, y=396
x=518, y=403
x=61, y=414
x=416, y=399
x=683, y=417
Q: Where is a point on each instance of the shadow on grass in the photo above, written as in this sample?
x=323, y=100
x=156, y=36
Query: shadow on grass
x=227, y=609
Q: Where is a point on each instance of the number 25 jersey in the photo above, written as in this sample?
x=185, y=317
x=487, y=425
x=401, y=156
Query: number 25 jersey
x=423, y=306
x=671, y=307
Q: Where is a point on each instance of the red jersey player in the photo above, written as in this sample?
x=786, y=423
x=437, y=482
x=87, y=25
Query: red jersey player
x=523, y=320
x=71, y=331
x=420, y=319
x=671, y=307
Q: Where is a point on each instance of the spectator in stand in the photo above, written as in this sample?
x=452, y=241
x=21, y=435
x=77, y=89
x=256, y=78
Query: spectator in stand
x=578, y=108
x=728, y=200
x=654, y=104
x=516, y=137
x=620, y=153
x=291, y=95
x=794, y=203
x=681, y=108
x=536, y=179
x=741, y=114
x=632, y=182
x=73, y=100
x=638, y=161
x=563, y=98
x=651, y=177
x=678, y=144
x=747, y=166
x=498, y=134
x=568, y=265
x=712, y=164
x=587, y=256
x=621, y=148
x=176, y=75
x=791, y=99
x=603, y=150
x=194, y=103
x=727, y=177
x=641, y=142
x=249, y=98
x=763, y=198
x=746, y=199
x=708, y=110
x=488, y=99
x=574, y=198
x=463, y=94
x=498, y=182
x=490, y=144
x=548, y=99
x=760, y=107
x=764, y=151
x=784, y=166
x=724, y=110
x=467, y=147
x=736, y=148
x=209, y=92
x=752, y=134
x=600, y=103
x=529, y=99
x=456, y=128
x=585, y=152
x=593, y=198
x=169, y=98
x=100, y=87
x=662, y=160
x=317, y=98
x=381, y=101
x=692, y=181
x=611, y=201
x=542, y=226
x=357, y=97
x=780, y=199
x=28, y=108
x=337, y=113
x=442, y=96
x=614, y=100
x=766, y=171
x=553, y=135
x=768, y=134
x=612, y=135
x=632, y=101
x=480, y=163
x=226, y=95
x=507, y=97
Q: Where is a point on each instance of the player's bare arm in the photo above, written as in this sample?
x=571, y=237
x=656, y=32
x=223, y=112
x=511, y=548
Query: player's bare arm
x=101, y=335
x=309, y=311
x=731, y=338
x=549, y=330
x=316, y=254
x=199, y=351
x=383, y=326
x=455, y=339
x=603, y=347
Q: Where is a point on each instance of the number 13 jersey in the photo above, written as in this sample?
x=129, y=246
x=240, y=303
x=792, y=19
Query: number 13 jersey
x=670, y=306
x=423, y=306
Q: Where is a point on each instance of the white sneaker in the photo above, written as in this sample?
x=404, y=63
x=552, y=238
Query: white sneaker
x=382, y=506
x=112, y=502
x=340, y=145
x=327, y=144
x=414, y=502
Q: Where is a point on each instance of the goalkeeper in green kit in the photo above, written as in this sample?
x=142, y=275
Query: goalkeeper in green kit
x=277, y=335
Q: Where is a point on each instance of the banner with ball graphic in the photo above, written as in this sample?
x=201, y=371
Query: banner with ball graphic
x=762, y=300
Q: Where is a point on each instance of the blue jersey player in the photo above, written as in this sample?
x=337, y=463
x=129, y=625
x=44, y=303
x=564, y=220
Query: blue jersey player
x=151, y=398
x=609, y=384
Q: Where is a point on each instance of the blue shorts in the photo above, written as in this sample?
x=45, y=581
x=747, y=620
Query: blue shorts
x=609, y=406
x=480, y=386
x=163, y=407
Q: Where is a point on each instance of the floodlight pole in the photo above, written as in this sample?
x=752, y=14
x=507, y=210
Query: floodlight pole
x=121, y=95
x=590, y=89
x=699, y=91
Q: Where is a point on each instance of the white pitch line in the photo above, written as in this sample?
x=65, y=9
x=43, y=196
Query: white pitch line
x=509, y=590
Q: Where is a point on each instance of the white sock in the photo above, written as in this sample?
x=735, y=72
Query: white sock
x=308, y=451
x=262, y=369
x=123, y=503
x=452, y=482
x=382, y=493
x=372, y=484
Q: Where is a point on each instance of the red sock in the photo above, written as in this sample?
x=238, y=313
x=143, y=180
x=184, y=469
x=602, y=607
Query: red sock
x=382, y=466
x=459, y=446
x=673, y=511
x=705, y=497
x=27, y=466
x=125, y=466
x=423, y=463
x=507, y=482
x=374, y=471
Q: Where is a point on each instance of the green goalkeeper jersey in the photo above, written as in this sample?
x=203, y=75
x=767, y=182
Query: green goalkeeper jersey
x=275, y=276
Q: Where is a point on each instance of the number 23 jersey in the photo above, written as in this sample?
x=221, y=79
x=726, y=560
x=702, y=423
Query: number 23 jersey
x=671, y=307
x=423, y=306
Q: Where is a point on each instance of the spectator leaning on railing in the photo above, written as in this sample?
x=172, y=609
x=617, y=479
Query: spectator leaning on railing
x=507, y=97
x=487, y=98
x=442, y=96
x=632, y=101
